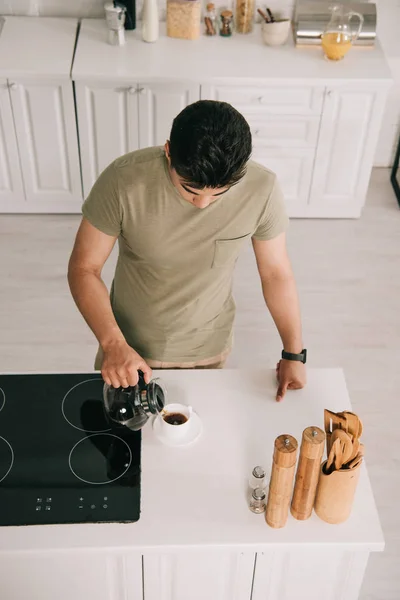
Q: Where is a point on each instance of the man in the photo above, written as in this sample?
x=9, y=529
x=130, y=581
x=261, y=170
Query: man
x=181, y=215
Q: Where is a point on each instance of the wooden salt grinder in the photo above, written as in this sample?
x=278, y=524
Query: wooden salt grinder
x=308, y=470
x=281, y=484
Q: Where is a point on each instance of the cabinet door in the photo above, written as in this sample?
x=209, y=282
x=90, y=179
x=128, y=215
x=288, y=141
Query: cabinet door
x=349, y=131
x=159, y=104
x=198, y=575
x=319, y=574
x=71, y=575
x=45, y=123
x=294, y=168
x=108, y=126
x=11, y=189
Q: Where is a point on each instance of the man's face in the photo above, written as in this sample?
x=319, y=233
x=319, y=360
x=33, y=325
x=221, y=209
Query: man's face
x=199, y=198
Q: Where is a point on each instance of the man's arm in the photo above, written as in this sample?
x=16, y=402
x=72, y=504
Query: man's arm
x=280, y=294
x=91, y=250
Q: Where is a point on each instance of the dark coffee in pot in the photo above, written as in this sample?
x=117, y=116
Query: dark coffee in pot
x=175, y=418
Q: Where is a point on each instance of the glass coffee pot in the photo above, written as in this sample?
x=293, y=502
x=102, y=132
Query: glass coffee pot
x=339, y=35
x=130, y=408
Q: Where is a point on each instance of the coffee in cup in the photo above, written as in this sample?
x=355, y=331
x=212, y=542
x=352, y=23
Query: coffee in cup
x=175, y=420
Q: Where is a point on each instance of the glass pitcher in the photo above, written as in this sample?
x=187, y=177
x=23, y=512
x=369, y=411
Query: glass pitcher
x=339, y=35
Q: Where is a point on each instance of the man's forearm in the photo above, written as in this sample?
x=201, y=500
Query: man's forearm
x=91, y=296
x=281, y=297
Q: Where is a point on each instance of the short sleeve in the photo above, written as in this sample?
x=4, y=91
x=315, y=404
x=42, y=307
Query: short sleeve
x=102, y=208
x=274, y=219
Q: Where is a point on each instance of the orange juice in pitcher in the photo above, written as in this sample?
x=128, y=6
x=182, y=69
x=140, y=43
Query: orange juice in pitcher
x=339, y=36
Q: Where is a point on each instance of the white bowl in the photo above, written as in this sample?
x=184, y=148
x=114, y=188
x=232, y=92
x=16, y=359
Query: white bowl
x=277, y=33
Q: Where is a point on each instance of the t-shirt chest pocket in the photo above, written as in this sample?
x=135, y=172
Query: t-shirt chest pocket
x=226, y=251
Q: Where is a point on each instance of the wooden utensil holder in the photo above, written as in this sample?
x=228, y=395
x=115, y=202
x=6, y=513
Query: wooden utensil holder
x=308, y=470
x=281, y=484
x=335, y=494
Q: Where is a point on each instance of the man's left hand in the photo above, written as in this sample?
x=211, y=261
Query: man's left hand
x=291, y=375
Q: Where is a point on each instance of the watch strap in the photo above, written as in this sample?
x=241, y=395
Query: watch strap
x=302, y=357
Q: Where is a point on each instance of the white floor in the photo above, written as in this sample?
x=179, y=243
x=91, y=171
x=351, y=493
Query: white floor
x=348, y=274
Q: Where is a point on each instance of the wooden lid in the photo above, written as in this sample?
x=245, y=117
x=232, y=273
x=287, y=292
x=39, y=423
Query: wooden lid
x=227, y=14
x=210, y=6
x=312, y=445
x=285, y=451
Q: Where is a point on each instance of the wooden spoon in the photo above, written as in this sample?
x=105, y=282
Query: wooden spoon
x=354, y=424
x=344, y=449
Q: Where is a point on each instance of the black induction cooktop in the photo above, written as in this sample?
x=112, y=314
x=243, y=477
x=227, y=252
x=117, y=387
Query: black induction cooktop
x=60, y=459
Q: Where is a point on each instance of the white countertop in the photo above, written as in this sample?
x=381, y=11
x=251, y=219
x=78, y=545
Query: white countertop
x=195, y=497
x=37, y=47
x=216, y=59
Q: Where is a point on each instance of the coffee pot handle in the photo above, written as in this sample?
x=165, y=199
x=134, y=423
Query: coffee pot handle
x=356, y=34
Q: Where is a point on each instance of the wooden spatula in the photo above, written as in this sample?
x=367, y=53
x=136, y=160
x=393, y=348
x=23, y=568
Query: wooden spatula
x=333, y=421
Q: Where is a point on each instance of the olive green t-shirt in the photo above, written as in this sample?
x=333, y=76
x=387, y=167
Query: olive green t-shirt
x=172, y=289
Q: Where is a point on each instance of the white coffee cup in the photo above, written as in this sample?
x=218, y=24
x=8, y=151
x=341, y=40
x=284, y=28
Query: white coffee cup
x=173, y=431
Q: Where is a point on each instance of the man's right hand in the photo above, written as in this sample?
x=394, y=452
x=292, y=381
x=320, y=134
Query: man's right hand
x=121, y=365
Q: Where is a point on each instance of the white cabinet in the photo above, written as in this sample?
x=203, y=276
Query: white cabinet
x=349, y=131
x=116, y=119
x=79, y=575
x=293, y=167
x=108, y=126
x=45, y=126
x=315, y=574
x=198, y=576
x=11, y=188
x=159, y=104
x=275, y=99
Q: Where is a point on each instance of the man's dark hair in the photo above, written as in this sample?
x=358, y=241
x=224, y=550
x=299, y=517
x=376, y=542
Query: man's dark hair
x=210, y=144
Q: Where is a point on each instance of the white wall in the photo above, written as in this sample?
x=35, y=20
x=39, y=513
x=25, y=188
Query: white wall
x=388, y=31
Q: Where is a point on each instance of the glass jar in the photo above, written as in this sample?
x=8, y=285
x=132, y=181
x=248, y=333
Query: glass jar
x=226, y=23
x=244, y=16
x=210, y=20
x=257, y=478
x=257, y=501
x=183, y=19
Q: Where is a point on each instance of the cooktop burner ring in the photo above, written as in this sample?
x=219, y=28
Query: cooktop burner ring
x=2, y=399
x=65, y=404
x=11, y=451
x=88, y=438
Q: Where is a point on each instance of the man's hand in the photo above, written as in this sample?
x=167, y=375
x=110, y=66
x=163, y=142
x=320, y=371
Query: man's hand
x=291, y=375
x=121, y=365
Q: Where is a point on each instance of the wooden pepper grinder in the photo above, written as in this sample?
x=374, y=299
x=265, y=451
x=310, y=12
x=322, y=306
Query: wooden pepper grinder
x=281, y=484
x=305, y=489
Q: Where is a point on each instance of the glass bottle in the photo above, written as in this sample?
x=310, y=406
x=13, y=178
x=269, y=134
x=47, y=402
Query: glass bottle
x=150, y=21
x=257, y=501
x=339, y=36
x=210, y=20
x=244, y=16
x=257, y=478
x=226, y=23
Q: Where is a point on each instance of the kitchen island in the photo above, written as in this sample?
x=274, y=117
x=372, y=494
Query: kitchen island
x=196, y=538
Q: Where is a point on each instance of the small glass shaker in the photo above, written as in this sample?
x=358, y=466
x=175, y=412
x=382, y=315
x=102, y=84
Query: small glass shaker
x=257, y=478
x=257, y=501
x=210, y=20
x=226, y=23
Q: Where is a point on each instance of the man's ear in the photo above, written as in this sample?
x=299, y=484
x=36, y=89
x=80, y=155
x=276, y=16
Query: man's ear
x=167, y=151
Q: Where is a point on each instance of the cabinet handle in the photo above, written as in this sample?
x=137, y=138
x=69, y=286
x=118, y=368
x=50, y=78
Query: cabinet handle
x=256, y=132
x=141, y=90
x=132, y=90
x=13, y=87
x=260, y=98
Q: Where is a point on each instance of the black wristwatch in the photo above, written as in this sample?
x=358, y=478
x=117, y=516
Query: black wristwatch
x=302, y=357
